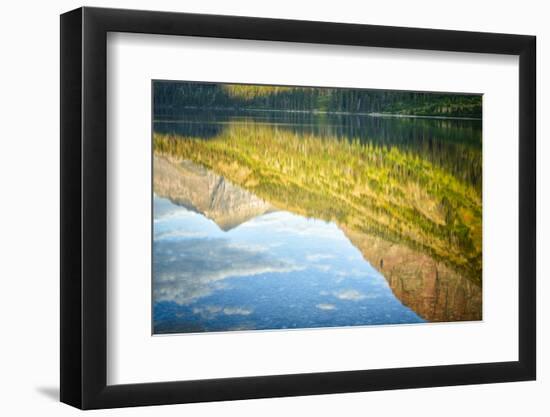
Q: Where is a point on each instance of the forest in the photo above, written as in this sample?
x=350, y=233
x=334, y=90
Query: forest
x=173, y=98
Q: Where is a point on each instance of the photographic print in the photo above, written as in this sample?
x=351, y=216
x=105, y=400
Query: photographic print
x=288, y=207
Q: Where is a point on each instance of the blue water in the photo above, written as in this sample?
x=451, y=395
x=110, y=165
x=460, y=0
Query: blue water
x=276, y=271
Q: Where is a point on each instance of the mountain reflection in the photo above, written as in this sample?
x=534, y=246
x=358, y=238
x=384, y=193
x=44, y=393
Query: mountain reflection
x=225, y=259
x=285, y=220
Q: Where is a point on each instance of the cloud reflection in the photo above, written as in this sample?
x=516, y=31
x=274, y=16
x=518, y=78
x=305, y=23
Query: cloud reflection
x=210, y=311
x=350, y=295
x=278, y=270
x=193, y=268
x=326, y=306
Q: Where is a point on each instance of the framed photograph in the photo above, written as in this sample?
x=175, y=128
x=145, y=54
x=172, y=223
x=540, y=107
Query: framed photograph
x=257, y=208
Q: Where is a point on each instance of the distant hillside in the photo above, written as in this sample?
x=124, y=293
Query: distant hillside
x=171, y=97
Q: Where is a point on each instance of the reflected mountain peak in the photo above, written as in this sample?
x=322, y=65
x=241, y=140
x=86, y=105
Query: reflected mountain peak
x=200, y=190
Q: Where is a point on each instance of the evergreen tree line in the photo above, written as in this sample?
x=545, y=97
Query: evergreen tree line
x=170, y=98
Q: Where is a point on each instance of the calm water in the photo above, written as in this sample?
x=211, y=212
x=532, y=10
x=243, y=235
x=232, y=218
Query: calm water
x=276, y=271
x=225, y=259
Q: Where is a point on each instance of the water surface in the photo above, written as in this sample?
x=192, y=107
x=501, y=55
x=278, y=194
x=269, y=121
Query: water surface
x=226, y=258
x=276, y=271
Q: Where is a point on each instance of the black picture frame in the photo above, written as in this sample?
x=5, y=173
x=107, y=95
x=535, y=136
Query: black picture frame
x=84, y=207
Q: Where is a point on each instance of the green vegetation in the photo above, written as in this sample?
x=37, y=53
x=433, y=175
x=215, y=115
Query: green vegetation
x=251, y=92
x=377, y=189
x=174, y=97
x=445, y=105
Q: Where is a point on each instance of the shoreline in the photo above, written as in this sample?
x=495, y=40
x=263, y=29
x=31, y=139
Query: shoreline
x=316, y=112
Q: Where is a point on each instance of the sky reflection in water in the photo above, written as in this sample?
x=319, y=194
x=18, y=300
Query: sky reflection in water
x=275, y=271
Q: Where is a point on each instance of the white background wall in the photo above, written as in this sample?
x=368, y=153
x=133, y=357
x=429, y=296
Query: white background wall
x=29, y=220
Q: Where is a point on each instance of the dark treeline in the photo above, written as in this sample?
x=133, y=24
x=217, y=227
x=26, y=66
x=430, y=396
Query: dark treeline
x=171, y=98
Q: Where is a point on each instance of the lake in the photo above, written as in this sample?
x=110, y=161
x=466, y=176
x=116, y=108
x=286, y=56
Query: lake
x=268, y=220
